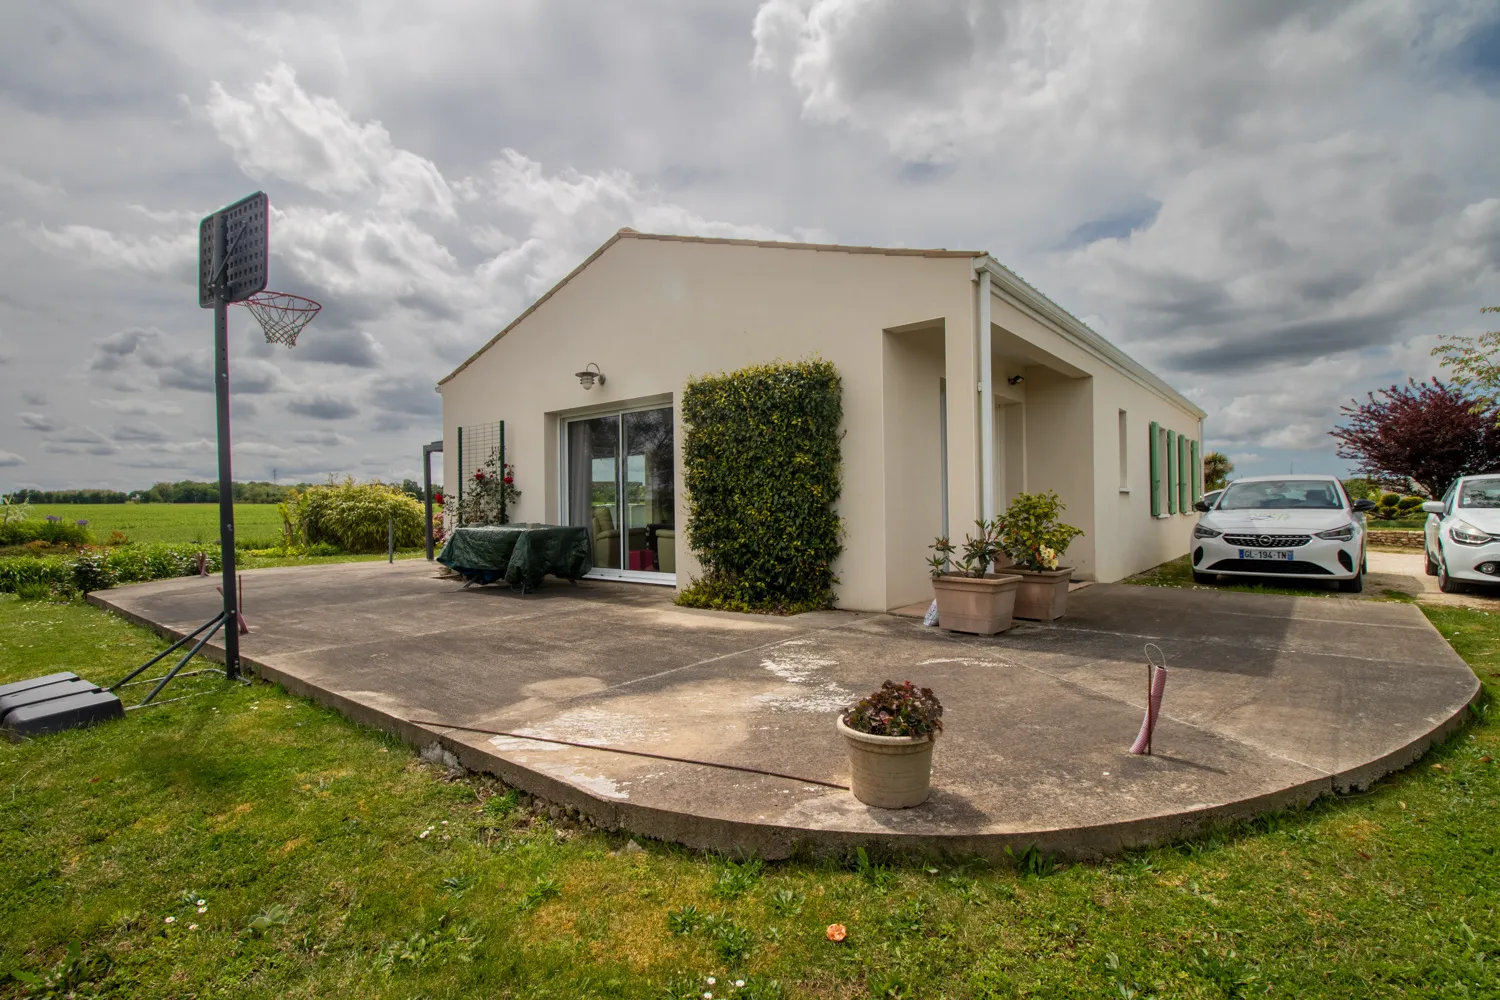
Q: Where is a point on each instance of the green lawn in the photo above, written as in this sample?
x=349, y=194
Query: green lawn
x=333, y=863
x=168, y=522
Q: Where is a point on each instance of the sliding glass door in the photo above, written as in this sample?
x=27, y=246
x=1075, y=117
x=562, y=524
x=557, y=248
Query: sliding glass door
x=620, y=486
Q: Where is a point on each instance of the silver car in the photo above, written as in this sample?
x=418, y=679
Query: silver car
x=1463, y=533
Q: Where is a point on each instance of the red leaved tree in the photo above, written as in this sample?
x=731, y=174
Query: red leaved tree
x=1423, y=433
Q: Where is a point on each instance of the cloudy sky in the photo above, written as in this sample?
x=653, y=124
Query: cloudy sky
x=1277, y=205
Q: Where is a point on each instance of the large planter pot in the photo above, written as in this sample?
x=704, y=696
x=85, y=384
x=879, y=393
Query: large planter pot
x=979, y=604
x=889, y=772
x=1043, y=594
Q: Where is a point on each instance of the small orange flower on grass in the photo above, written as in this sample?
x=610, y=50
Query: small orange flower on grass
x=837, y=932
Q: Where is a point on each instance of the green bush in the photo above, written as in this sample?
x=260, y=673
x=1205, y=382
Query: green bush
x=1409, y=504
x=761, y=461
x=97, y=569
x=22, y=571
x=1390, y=500
x=37, y=529
x=91, y=571
x=1030, y=532
x=354, y=516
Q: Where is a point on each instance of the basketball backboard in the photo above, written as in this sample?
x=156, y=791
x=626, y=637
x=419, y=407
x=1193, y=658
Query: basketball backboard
x=243, y=229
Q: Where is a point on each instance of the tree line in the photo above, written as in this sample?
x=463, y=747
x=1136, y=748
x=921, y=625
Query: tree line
x=185, y=491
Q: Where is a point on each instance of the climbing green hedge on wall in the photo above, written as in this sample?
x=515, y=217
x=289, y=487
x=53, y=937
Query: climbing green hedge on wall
x=761, y=466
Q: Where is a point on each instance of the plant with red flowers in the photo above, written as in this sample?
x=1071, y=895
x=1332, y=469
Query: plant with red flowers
x=897, y=710
x=491, y=495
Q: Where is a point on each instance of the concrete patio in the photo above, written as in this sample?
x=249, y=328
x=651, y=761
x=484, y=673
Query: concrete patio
x=1271, y=701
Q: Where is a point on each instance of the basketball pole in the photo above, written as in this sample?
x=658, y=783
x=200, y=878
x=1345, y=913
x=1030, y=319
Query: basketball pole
x=226, y=475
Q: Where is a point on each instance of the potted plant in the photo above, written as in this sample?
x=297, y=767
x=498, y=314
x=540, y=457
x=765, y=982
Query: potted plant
x=890, y=736
x=972, y=599
x=1035, y=540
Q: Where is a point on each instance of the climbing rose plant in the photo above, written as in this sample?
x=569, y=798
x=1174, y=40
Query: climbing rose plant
x=490, y=494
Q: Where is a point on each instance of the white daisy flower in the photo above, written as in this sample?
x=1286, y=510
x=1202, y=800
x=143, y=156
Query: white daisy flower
x=171, y=920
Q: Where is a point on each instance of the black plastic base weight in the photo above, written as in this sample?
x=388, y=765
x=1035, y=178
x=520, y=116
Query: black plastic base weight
x=53, y=703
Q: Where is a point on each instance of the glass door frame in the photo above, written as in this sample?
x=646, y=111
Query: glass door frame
x=564, y=492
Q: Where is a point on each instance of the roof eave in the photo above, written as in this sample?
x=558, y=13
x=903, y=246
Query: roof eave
x=1075, y=330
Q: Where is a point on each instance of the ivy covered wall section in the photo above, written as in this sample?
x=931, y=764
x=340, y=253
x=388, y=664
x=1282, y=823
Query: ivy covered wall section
x=761, y=463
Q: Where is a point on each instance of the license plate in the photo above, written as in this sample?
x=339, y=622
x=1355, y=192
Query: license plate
x=1285, y=554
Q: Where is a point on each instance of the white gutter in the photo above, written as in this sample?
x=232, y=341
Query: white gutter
x=1072, y=329
x=986, y=403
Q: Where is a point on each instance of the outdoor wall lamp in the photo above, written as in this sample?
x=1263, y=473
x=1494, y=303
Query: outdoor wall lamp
x=1015, y=380
x=587, y=378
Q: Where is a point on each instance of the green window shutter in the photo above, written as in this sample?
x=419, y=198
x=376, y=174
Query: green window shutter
x=1155, y=469
x=1171, y=472
x=1197, y=479
x=1184, y=475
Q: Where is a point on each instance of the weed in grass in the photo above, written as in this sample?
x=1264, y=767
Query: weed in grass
x=457, y=885
x=501, y=806
x=731, y=939
x=684, y=920
x=447, y=942
x=73, y=970
x=271, y=918
x=34, y=591
x=907, y=920
x=545, y=888
x=1032, y=861
x=787, y=902
x=732, y=880
x=875, y=875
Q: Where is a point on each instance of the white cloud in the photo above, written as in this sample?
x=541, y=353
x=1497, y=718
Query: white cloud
x=38, y=422
x=10, y=458
x=90, y=246
x=282, y=131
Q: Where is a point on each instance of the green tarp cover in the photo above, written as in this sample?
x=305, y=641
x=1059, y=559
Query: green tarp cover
x=519, y=554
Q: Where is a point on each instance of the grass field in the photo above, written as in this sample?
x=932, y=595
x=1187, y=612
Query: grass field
x=332, y=862
x=169, y=522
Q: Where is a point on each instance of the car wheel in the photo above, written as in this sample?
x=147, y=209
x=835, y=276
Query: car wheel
x=1354, y=586
x=1446, y=583
x=1207, y=579
x=1432, y=566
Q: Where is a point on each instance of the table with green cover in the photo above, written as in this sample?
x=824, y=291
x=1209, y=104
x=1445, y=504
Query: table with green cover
x=519, y=554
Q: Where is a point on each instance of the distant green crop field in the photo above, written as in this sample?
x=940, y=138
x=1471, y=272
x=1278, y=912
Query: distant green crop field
x=168, y=522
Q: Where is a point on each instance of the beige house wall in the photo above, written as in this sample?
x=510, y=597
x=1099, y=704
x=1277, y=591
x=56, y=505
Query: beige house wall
x=653, y=313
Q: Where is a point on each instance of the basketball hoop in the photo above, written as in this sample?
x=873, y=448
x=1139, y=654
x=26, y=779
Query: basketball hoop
x=281, y=315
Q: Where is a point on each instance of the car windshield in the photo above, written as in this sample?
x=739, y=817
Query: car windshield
x=1479, y=493
x=1282, y=494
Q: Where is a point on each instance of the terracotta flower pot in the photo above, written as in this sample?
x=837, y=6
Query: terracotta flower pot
x=889, y=772
x=1043, y=594
x=979, y=604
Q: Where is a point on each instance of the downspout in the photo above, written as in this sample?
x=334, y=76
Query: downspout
x=986, y=397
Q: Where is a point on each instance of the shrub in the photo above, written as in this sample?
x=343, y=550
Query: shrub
x=54, y=531
x=20, y=571
x=1030, y=532
x=91, y=571
x=1409, y=504
x=34, y=591
x=979, y=552
x=897, y=710
x=1390, y=499
x=354, y=516
x=761, y=458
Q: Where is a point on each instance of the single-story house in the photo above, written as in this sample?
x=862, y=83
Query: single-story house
x=963, y=386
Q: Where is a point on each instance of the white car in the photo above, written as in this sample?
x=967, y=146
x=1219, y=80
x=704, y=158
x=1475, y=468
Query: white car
x=1463, y=533
x=1269, y=526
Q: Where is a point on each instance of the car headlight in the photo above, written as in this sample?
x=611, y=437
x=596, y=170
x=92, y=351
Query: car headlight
x=1466, y=534
x=1342, y=533
x=1199, y=531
